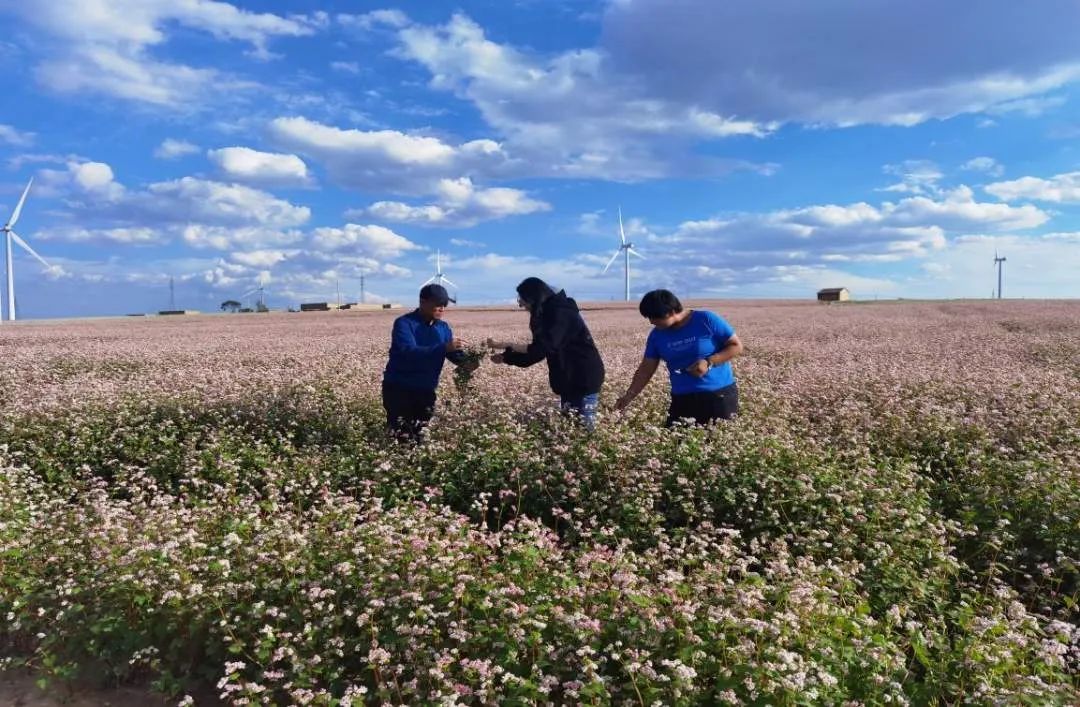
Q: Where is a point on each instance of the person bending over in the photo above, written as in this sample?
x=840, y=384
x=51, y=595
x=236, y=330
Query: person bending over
x=560, y=336
x=697, y=347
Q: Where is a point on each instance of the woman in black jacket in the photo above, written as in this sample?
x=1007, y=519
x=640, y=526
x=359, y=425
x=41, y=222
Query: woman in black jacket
x=559, y=334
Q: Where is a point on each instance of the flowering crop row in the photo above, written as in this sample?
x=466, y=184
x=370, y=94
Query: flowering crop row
x=895, y=516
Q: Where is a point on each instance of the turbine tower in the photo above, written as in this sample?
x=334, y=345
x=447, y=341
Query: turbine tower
x=260, y=290
x=9, y=236
x=260, y=301
x=998, y=261
x=438, y=278
x=626, y=248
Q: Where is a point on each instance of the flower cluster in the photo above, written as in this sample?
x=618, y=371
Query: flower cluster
x=463, y=372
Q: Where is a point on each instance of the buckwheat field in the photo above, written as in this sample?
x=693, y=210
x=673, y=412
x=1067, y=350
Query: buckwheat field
x=209, y=507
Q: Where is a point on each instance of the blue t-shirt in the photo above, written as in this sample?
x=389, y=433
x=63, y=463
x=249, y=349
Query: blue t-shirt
x=703, y=334
x=417, y=352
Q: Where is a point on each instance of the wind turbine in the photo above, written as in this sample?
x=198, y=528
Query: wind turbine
x=626, y=248
x=998, y=261
x=9, y=236
x=260, y=289
x=438, y=278
x=260, y=302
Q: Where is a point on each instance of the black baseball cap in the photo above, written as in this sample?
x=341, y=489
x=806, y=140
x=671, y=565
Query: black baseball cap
x=436, y=294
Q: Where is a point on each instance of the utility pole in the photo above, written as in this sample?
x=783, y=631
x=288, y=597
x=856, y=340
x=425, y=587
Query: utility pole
x=337, y=286
x=998, y=261
x=362, y=288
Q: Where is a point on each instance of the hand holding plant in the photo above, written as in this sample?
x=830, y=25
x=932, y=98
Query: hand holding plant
x=466, y=367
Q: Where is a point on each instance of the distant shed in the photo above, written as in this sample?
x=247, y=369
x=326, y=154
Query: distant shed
x=315, y=307
x=378, y=306
x=833, y=294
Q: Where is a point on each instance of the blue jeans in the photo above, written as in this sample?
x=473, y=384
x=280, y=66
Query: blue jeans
x=584, y=406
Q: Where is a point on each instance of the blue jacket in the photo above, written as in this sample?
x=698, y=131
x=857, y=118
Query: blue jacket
x=417, y=352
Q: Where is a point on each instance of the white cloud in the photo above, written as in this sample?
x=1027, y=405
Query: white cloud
x=14, y=137
x=213, y=202
x=843, y=63
x=92, y=176
x=570, y=115
x=388, y=145
x=815, y=236
x=395, y=211
x=265, y=258
x=386, y=160
x=18, y=161
x=171, y=149
x=142, y=22
x=374, y=19
x=959, y=210
x=986, y=165
x=1036, y=266
x=465, y=243
x=1062, y=188
x=82, y=179
x=1029, y=107
x=1064, y=237
x=373, y=241
x=348, y=67
x=225, y=275
x=201, y=203
x=589, y=224
x=670, y=74
x=231, y=238
x=247, y=165
x=916, y=177
x=108, y=45
x=123, y=236
x=460, y=205
x=104, y=70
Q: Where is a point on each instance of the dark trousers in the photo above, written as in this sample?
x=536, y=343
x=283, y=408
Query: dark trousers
x=407, y=411
x=706, y=406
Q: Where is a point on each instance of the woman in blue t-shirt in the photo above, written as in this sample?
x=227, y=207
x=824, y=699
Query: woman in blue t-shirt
x=697, y=347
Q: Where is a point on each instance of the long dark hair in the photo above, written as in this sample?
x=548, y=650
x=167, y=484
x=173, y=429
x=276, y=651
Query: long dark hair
x=534, y=292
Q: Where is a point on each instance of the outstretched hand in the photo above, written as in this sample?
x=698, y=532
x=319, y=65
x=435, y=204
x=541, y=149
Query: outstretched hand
x=454, y=344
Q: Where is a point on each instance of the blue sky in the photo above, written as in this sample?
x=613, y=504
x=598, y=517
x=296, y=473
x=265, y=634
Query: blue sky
x=757, y=149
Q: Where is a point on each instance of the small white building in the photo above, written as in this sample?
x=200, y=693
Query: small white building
x=833, y=294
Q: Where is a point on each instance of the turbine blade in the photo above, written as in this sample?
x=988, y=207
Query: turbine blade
x=449, y=282
x=634, y=252
x=18, y=207
x=622, y=233
x=428, y=281
x=31, y=251
x=611, y=261
x=249, y=293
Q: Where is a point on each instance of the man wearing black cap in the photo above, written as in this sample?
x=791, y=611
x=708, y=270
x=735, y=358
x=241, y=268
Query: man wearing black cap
x=421, y=341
